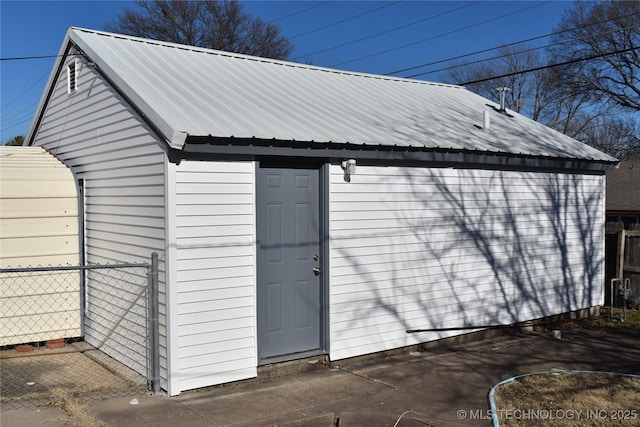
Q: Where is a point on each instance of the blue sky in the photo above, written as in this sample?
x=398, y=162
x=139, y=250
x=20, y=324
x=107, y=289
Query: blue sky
x=378, y=37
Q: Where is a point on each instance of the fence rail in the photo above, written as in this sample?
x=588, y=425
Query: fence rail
x=111, y=307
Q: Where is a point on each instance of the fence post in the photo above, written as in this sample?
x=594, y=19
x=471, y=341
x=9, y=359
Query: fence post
x=154, y=325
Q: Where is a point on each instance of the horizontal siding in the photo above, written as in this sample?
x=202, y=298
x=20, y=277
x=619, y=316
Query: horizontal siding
x=106, y=144
x=442, y=248
x=215, y=272
x=38, y=227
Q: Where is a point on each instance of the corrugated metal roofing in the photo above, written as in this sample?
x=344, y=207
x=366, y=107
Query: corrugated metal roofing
x=202, y=92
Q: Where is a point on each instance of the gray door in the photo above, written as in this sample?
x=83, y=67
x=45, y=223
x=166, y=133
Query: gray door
x=289, y=291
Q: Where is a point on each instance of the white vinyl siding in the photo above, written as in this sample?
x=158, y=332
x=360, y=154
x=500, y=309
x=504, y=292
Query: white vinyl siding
x=98, y=135
x=216, y=282
x=443, y=248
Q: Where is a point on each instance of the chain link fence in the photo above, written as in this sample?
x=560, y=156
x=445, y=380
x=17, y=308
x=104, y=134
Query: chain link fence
x=85, y=329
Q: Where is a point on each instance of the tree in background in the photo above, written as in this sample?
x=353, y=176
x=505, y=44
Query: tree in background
x=221, y=25
x=525, y=89
x=616, y=136
x=593, y=101
x=16, y=140
x=608, y=33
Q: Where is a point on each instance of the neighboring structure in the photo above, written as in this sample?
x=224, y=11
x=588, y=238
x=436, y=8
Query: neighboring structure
x=623, y=194
x=38, y=227
x=300, y=210
x=623, y=228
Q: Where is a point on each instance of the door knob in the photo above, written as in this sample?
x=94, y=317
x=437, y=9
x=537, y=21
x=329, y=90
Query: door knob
x=316, y=271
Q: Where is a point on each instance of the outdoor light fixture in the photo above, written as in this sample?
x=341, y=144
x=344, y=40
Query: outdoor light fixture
x=349, y=168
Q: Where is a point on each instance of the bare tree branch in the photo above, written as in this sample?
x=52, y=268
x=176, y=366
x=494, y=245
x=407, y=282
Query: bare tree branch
x=614, y=77
x=221, y=25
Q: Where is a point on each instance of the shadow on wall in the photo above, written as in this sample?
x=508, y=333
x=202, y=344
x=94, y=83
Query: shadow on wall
x=446, y=248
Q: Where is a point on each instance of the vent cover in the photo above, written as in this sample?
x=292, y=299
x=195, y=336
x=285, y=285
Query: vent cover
x=72, y=77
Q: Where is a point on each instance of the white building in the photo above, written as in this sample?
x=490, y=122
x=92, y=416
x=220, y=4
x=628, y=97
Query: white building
x=231, y=167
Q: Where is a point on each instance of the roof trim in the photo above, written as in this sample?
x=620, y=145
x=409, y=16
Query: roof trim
x=253, y=148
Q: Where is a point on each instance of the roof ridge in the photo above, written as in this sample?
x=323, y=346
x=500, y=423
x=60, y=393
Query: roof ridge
x=273, y=61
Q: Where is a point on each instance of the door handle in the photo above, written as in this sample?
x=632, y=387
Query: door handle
x=316, y=271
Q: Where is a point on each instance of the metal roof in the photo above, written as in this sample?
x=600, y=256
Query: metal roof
x=194, y=92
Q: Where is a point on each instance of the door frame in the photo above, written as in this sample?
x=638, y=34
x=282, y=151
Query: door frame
x=323, y=238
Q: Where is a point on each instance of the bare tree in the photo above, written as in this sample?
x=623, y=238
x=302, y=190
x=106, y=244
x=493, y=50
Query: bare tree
x=616, y=136
x=608, y=33
x=594, y=101
x=526, y=93
x=535, y=94
x=221, y=25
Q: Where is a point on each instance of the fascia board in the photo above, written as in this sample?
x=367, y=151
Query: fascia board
x=173, y=137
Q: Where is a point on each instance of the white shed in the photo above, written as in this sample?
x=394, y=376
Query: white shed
x=38, y=228
x=300, y=210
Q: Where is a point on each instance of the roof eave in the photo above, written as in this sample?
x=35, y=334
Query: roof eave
x=252, y=148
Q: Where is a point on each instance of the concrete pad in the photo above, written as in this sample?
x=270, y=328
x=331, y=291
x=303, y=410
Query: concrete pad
x=360, y=419
x=322, y=420
x=279, y=399
x=41, y=417
x=150, y=411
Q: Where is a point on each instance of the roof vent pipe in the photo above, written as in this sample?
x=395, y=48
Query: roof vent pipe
x=486, y=120
x=503, y=95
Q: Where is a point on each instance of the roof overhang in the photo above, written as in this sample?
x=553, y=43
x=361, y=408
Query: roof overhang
x=253, y=148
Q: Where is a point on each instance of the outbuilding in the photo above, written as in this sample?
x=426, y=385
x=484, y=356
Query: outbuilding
x=39, y=227
x=300, y=210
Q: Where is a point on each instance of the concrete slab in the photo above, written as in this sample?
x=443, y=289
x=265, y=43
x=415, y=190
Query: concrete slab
x=41, y=417
x=441, y=387
x=283, y=399
x=150, y=411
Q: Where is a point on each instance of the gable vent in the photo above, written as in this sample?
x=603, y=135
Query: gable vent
x=72, y=77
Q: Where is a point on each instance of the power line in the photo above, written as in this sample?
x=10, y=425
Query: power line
x=443, y=34
x=390, y=30
x=16, y=124
x=506, y=55
x=299, y=12
x=504, y=45
x=27, y=89
x=544, y=67
x=345, y=20
x=466, y=55
x=20, y=58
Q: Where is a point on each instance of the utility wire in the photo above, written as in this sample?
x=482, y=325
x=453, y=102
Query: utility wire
x=506, y=55
x=345, y=19
x=16, y=124
x=26, y=90
x=20, y=58
x=390, y=30
x=443, y=34
x=299, y=12
x=506, y=45
x=544, y=67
